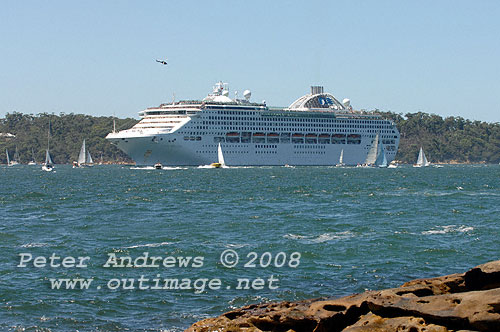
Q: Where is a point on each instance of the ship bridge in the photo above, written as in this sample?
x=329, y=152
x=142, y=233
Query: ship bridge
x=318, y=99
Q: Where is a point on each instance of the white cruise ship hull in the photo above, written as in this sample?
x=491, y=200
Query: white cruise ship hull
x=314, y=130
x=172, y=150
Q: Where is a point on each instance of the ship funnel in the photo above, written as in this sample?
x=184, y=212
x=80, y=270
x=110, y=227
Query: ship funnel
x=316, y=90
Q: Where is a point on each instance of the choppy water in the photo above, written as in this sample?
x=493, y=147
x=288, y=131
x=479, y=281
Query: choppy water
x=355, y=229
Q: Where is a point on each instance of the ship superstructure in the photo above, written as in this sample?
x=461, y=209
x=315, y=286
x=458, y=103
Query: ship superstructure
x=313, y=130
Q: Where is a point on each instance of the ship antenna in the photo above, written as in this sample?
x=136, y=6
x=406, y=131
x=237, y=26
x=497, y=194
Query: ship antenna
x=173, y=98
x=114, y=124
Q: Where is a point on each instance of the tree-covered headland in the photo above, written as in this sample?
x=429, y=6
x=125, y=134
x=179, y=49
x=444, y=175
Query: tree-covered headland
x=67, y=132
x=451, y=139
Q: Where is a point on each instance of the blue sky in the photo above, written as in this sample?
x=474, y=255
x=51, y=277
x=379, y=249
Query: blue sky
x=98, y=57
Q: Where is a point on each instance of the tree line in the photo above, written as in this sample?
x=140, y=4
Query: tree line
x=67, y=132
x=450, y=139
x=443, y=139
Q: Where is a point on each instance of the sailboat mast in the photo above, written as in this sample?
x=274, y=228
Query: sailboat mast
x=48, y=137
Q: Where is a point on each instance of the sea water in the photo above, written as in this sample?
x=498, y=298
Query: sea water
x=299, y=233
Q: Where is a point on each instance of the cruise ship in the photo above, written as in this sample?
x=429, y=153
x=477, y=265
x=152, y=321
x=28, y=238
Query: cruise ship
x=316, y=129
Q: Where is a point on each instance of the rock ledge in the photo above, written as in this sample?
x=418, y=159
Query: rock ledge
x=468, y=301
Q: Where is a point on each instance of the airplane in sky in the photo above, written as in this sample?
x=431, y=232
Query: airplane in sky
x=163, y=62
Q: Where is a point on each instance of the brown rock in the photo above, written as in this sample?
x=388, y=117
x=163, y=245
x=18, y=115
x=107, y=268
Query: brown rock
x=374, y=323
x=479, y=310
x=453, y=283
x=467, y=301
x=318, y=315
x=485, y=276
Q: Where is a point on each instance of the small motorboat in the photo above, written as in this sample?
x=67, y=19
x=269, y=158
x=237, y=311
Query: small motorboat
x=216, y=165
x=158, y=166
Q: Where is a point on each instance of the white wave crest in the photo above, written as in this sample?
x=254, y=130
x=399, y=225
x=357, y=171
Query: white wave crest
x=34, y=245
x=449, y=229
x=325, y=237
x=149, y=245
x=236, y=246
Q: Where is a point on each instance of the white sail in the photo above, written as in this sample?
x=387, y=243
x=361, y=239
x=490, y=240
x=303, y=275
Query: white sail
x=371, y=158
x=89, y=160
x=376, y=156
x=14, y=161
x=341, y=159
x=220, y=155
x=381, y=157
x=48, y=159
x=47, y=166
x=82, y=155
x=426, y=162
x=422, y=160
x=383, y=162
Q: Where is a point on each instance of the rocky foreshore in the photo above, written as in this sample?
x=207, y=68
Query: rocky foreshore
x=467, y=301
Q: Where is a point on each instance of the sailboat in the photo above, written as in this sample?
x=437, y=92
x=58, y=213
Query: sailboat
x=33, y=160
x=84, y=158
x=220, y=158
x=16, y=158
x=421, y=160
x=341, y=159
x=48, y=165
x=12, y=162
x=393, y=164
x=383, y=164
x=376, y=156
x=8, y=158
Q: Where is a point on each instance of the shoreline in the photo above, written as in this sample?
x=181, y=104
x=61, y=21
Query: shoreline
x=397, y=162
x=462, y=301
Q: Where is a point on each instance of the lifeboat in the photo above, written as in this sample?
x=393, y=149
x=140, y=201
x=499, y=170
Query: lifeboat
x=273, y=135
x=259, y=134
x=311, y=136
x=324, y=136
x=233, y=134
x=297, y=135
